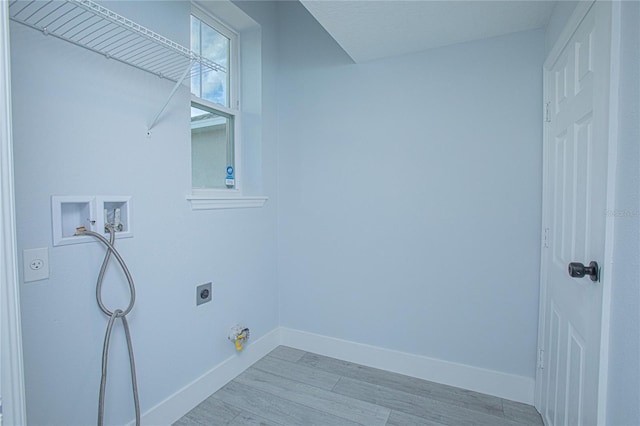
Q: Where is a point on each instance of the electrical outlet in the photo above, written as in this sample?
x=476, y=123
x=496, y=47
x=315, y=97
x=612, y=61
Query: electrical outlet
x=203, y=294
x=35, y=264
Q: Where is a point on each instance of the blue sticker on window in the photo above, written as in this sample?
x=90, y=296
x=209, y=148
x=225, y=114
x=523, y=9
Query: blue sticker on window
x=230, y=171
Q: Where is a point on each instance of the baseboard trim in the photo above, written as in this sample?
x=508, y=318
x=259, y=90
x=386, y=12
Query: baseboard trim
x=503, y=385
x=181, y=402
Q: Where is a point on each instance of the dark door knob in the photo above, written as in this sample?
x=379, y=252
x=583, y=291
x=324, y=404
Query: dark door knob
x=578, y=270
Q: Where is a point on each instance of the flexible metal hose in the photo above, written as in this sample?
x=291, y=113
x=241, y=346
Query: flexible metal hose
x=118, y=313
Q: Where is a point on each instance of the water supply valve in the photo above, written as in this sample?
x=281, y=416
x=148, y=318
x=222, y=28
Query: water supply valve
x=239, y=335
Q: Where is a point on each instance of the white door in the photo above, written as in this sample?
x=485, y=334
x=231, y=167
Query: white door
x=575, y=200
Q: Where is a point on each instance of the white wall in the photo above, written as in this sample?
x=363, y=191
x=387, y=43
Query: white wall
x=624, y=362
x=79, y=129
x=410, y=195
x=559, y=16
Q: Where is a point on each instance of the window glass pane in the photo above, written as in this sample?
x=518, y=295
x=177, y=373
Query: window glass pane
x=209, y=43
x=211, y=148
x=215, y=47
x=195, y=47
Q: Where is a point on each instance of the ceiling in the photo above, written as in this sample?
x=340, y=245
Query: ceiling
x=374, y=29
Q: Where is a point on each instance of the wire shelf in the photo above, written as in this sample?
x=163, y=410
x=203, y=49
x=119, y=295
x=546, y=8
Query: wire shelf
x=96, y=28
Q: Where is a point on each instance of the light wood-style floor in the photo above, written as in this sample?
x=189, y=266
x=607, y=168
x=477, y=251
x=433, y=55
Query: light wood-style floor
x=292, y=387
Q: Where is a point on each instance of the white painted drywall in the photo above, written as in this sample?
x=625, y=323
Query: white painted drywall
x=79, y=129
x=410, y=195
x=371, y=30
x=559, y=16
x=624, y=351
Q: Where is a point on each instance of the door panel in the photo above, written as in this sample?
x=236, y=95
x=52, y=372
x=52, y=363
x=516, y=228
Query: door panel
x=575, y=378
x=574, y=204
x=553, y=349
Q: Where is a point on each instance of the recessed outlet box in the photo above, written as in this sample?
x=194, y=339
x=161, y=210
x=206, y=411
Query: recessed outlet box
x=116, y=210
x=203, y=294
x=69, y=213
x=92, y=212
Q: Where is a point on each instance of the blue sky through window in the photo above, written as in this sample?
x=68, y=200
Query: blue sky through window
x=209, y=43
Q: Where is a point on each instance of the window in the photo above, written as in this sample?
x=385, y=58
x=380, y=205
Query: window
x=214, y=106
x=217, y=120
x=211, y=148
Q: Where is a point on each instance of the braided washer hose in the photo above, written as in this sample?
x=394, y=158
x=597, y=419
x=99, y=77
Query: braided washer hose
x=118, y=313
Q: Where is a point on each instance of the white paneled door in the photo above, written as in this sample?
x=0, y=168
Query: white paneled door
x=575, y=201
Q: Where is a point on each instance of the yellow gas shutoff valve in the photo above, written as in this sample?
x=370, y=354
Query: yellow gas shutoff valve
x=239, y=335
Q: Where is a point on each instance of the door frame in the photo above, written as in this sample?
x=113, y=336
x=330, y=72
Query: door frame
x=11, y=367
x=609, y=103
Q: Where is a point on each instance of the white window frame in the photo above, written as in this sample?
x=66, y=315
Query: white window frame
x=234, y=102
x=234, y=57
x=225, y=198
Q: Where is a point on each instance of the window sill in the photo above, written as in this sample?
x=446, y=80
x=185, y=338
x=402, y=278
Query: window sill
x=212, y=202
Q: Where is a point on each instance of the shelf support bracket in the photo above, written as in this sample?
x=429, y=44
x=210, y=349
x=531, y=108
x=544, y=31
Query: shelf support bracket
x=173, y=92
